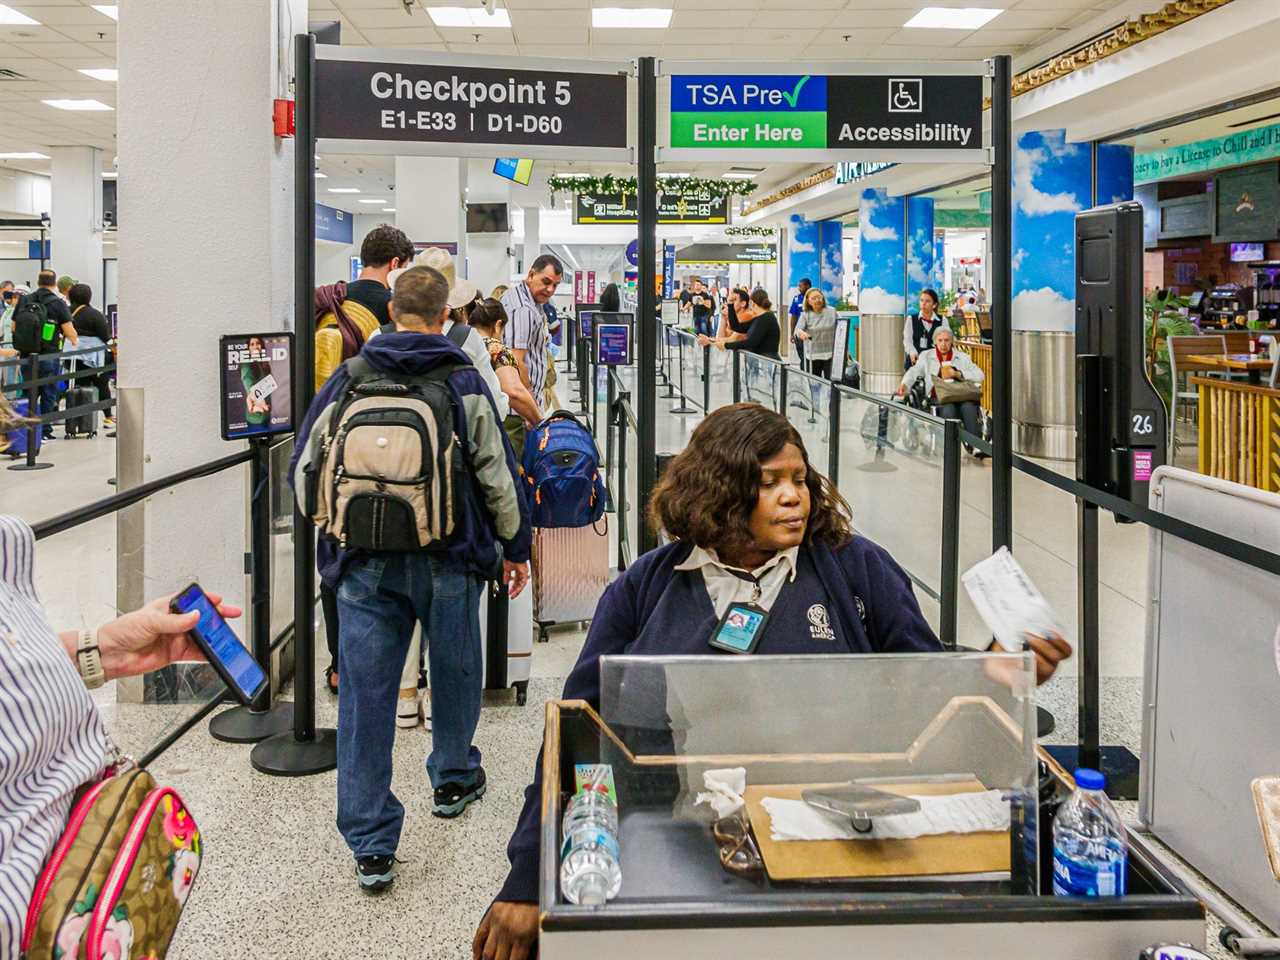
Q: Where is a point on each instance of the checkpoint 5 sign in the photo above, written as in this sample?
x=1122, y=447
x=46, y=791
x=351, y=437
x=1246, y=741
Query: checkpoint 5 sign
x=372, y=100
x=882, y=113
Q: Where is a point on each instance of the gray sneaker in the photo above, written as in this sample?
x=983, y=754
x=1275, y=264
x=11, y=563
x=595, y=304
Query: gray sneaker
x=375, y=874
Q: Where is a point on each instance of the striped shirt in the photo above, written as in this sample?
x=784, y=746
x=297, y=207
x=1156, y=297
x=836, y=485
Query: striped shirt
x=52, y=738
x=527, y=330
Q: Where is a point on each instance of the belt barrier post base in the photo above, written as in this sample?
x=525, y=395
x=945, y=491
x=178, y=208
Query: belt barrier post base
x=243, y=725
x=285, y=756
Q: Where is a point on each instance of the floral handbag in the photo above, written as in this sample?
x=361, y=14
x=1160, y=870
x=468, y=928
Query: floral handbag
x=116, y=882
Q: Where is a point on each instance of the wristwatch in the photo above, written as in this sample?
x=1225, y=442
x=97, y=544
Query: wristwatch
x=89, y=660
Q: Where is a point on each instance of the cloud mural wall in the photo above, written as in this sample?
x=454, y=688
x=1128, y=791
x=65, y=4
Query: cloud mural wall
x=881, y=225
x=1052, y=181
x=1115, y=173
x=815, y=251
x=919, y=247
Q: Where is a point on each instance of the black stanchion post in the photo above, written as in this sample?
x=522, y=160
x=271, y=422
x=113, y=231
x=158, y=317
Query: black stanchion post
x=646, y=303
x=706, y=379
x=307, y=749
x=684, y=397
x=779, y=377
x=668, y=378
x=950, y=532
x=609, y=427
x=737, y=379
x=1002, y=306
x=259, y=720
x=29, y=463
x=623, y=522
x=833, y=438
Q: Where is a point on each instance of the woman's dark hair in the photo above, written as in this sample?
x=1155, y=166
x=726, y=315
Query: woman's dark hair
x=933, y=295
x=487, y=314
x=80, y=294
x=761, y=299
x=742, y=294
x=709, y=491
x=610, y=299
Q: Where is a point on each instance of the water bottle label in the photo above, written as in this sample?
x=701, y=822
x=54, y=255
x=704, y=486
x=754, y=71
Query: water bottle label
x=1087, y=878
x=598, y=838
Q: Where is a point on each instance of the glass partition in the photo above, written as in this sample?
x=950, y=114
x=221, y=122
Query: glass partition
x=902, y=512
x=760, y=380
x=809, y=410
x=863, y=773
x=721, y=378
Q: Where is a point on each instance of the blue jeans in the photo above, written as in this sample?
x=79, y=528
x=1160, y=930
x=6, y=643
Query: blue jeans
x=379, y=600
x=47, y=392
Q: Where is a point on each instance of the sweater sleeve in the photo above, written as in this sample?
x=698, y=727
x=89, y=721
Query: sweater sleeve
x=907, y=346
x=893, y=613
x=613, y=629
x=968, y=369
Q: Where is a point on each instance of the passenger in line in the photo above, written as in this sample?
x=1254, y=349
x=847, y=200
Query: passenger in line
x=94, y=331
x=53, y=740
x=489, y=319
x=816, y=329
x=947, y=363
x=46, y=298
x=384, y=249
x=774, y=532
x=527, y=334
x=382, y=595
x=799, y=304
x=611, y=299
x=919, y=328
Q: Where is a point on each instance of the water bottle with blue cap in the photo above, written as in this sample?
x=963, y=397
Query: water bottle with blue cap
x=1090, y=849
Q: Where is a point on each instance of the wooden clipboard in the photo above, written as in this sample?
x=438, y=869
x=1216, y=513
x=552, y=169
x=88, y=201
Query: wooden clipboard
x=952, y=854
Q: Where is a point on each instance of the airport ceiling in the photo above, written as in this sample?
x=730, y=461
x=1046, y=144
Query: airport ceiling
x=71, y=36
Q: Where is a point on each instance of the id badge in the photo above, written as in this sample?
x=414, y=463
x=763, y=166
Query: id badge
x=740, y=629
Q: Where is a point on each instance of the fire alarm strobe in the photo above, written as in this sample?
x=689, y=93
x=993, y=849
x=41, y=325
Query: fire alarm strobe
x=282, y=118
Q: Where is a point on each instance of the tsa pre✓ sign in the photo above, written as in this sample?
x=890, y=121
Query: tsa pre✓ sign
x=892, y=114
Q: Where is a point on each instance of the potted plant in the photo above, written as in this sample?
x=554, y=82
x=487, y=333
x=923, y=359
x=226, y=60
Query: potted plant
x=1164, y=319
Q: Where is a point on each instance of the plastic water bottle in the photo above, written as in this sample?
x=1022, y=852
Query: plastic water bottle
x=1090, y=853
x=590, y=872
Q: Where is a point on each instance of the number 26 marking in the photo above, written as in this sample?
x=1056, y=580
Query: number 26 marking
x=1142, y=425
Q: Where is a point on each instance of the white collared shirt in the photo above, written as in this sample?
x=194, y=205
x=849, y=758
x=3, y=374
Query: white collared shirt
x=725, y=588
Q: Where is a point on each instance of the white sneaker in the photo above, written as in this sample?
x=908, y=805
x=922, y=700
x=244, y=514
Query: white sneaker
x=409, y=708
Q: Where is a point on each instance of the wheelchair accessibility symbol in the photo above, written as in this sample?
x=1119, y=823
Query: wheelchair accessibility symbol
x=906, y=96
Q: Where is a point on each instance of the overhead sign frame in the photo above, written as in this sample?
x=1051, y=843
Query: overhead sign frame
x=325, y=53
x=908, y=70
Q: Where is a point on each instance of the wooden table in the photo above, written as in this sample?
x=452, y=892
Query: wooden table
x=1249, y=363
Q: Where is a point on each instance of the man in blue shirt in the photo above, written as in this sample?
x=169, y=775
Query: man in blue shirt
x=797, y=308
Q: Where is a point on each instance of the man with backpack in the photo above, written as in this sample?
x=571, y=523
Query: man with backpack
x=403, y=462
x=41, y=321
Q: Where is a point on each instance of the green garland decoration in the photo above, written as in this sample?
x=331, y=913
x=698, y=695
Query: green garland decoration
x=670, y=186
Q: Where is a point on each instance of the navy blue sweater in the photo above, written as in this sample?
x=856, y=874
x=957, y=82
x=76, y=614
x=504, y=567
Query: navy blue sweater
x=657, y=610
x=475, y=547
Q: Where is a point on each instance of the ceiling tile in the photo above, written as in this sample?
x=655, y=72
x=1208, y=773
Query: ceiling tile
x=379, y=18
x=858, y=19
x=926, y=37
x=13, y=33
x=711, y=19
x=816, y=53
x=53, y=51
x=466, y=36
x=795, y=19
x=56, y=15
x=347, y=5
x=384, y=37
x=1023, y=19
x=555, y=51
x=576, y=33
x=721, y=4
x=1011, y=38
x=507, y=49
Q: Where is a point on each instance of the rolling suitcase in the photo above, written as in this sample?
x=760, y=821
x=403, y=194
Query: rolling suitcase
x=85, y=425
x=14, y=443
x=570, y=572
x=507, y=628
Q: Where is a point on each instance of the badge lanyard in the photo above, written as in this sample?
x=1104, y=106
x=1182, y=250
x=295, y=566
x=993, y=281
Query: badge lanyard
x=742, y=625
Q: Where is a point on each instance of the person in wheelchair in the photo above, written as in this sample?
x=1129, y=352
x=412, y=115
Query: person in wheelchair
x=952, y=383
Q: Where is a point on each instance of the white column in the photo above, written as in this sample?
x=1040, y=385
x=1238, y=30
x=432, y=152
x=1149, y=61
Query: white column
x=489, y=259
x=532, y=235
x=429, y=200
x=76, y=215
x=206, y=192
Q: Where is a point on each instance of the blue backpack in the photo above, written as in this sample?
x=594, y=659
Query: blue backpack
x=562, y=469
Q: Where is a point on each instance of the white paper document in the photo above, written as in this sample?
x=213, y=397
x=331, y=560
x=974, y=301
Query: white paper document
x=1008, y=602
x=263, y=388
x=955, y=813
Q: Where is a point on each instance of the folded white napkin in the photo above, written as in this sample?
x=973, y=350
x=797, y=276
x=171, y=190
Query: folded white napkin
x=956, y=813
x=724, y=790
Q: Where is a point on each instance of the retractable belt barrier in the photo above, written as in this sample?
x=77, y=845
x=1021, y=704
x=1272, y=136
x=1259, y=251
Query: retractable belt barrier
x=31, y=383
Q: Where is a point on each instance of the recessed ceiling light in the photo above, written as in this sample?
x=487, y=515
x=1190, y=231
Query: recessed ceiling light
x=372, y=200
x=344, y=189
x=77, y=104
x=388, y=209
x=626, y=18
x=110, y=175
x=106, y=74
x=12, y=18
x=107, y=10
x=737, y=176
x=953, y=18
x=469, y=17
x=23, y=156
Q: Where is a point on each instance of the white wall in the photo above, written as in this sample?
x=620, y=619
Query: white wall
x=24, y=194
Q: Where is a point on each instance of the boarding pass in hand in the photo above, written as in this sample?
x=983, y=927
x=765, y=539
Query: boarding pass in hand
x=263, y=388
x=1008, y=602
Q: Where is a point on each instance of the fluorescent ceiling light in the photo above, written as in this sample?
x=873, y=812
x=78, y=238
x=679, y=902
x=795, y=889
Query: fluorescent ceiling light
x=77, y=104
x=23, y=156
x=673, y=176
x=372, y=200
x=344, y=189
x=627, y=18
x=12, y=18
x=107, y=10
x=105, y=74
x=388, y=209
x=737, y=176
x=469, y=17
x=953, y=18
x=321, y=176
x=110, y=175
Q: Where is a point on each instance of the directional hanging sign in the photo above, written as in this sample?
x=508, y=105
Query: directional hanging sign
x=905, y=115
x=596, y=208
x=388, y=104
